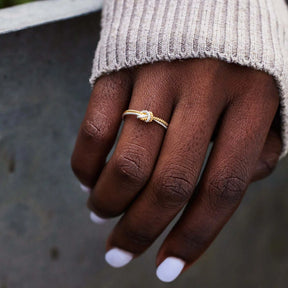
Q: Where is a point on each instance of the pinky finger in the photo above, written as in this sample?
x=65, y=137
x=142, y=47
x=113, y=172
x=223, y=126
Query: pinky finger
x=269, y=157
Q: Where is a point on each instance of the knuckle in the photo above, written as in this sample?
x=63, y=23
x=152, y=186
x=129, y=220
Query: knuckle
x=133, y=164
x=108, y=86
x=171, y=189
x=96, y=131
x=225, y=192
x=120, y=79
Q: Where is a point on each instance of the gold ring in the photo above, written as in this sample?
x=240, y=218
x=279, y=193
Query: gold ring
x=146, y=116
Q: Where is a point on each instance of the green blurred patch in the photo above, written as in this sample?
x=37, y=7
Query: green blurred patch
x=8, y=3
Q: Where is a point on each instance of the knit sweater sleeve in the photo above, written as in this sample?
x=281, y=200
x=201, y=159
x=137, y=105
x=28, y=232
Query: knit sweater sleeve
x=252, y=33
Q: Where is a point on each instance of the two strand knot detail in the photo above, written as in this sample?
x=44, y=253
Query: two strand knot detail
x=146, y=116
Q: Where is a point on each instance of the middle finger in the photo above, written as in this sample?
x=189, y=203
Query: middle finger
x=175, y=175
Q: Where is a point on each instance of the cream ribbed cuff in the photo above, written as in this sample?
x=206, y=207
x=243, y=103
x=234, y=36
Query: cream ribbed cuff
x=253, y=33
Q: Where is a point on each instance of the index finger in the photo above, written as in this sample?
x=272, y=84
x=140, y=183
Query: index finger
x=98, y=131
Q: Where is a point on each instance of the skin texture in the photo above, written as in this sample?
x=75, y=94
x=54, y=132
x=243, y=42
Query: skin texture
x=153, y=172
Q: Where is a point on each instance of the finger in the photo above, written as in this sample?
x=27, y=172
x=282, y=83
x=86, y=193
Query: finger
x=269, y=158
x=270, y=154
x=99, y=128
x=227, y=174
x=138, y=147
x=174, y=177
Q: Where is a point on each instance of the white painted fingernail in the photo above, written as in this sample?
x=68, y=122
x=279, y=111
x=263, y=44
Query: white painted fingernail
x=118, y=258
x=170, y=269
x=85, y=188
x=96, y=219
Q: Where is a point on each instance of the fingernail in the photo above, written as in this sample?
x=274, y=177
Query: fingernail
x=96, y=219
x=118, y=258
x=85, y=188
x=170, y=269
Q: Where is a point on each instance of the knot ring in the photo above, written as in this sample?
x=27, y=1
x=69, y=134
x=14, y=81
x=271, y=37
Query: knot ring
x=146, y=116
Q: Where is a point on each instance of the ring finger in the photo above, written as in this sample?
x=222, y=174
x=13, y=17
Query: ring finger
x=174, y=176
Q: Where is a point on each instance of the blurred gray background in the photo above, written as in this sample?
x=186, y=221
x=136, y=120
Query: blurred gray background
x=46, y=237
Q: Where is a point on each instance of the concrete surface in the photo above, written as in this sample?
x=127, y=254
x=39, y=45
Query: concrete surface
x=46, y=238
x=39, y=12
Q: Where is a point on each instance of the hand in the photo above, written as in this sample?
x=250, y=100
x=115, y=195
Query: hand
x=153, y=172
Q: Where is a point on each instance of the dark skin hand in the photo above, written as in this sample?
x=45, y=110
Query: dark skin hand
x=153, y=172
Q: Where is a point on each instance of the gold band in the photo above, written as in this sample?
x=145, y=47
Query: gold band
x=146, y=116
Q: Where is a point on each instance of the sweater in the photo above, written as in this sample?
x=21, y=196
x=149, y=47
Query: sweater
x=251, y=33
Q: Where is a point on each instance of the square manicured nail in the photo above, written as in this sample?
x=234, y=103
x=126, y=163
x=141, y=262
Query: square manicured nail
x=170, y=269
x=118, y=258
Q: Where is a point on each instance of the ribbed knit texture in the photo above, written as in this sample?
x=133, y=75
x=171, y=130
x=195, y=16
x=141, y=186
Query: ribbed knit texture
x=253, y=33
